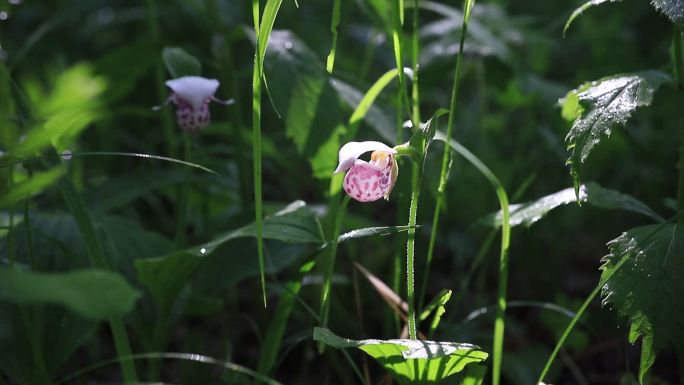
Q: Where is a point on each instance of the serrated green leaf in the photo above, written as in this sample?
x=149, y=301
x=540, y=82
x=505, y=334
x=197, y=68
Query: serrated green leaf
x=411, y=361
x=92, y=293
x=673, y=9
x=607, y=103
x=180, y=63
x=530, y=212
x=164, y=276
x=647, y=288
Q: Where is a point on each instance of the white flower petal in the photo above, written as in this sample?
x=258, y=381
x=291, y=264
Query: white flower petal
x=193, y=89
x=353, y=150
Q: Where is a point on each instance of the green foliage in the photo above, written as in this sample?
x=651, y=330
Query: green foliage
x=602, y=105
x=92, y=293
x=180, y=63
x=530, y=212
x=411, y=361
x=647, y=289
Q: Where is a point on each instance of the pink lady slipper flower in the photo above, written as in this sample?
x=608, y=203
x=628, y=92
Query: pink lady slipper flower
x=368, y=181
x=191, y=95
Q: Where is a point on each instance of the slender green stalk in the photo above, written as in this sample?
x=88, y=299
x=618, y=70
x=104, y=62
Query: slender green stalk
x=181, y=225
x=97, y=259
x=411, y=249
x=444, y=174
x=679, y=73
x=337, y=4
x=256, y=146
x=330, y=262
x=170, y=139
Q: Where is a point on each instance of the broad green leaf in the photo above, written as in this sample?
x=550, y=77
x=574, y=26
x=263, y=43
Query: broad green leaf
x=647, y=288
x=411, y=361
x=301, y=91
x=579, y=10
x=605, y=104
x=180, y=63
x=475, y=374
x=673, y=9
x=164, y=276
x=29, y=187
x=92, y=293
x=530, y=212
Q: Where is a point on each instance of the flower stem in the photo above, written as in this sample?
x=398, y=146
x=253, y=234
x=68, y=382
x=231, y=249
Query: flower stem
x=181, y=225
x=330, y=63
x=411, y=248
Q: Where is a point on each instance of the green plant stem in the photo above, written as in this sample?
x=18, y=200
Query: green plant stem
x=256, y=147
x=330, y=63
x=181, y=225
x=170, y=139
x=339, y=213
x=97, y=259
x=444, y=174
x=679, y=74
x=411, y=248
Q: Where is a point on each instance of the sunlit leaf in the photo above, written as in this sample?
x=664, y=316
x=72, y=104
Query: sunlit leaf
x=411, y=361
x=530, y=212
x=647, y=288
x=179, y=63
x=371, y=232
x=607, y=103
x=673, y=9
x=92, y=293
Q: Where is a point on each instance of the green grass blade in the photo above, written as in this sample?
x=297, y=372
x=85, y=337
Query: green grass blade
x=263, y=31
x=446, y=158
x=499, y=324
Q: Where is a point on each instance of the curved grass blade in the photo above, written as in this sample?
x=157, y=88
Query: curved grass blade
x=499, y=324
x=194, y=357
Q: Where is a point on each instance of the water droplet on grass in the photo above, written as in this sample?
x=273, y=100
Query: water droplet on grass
x=203, y=250
x=67, y=154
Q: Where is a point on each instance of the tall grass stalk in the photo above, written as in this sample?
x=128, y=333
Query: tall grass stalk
x=444, y=174
x=97, y=259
